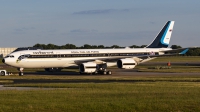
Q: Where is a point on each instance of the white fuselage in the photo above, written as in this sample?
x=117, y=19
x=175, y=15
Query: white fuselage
x=70, y=57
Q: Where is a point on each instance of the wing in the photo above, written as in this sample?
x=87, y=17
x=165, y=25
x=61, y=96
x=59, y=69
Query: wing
x=138, y=58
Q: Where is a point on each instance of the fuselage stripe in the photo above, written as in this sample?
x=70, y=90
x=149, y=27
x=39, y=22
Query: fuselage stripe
x=164, y=35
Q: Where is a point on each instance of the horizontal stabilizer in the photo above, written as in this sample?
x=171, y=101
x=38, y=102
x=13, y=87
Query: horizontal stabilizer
x=184, y=51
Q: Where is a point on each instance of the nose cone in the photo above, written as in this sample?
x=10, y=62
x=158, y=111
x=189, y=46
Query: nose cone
x=3, y=60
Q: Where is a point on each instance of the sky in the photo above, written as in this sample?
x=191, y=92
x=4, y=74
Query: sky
x=24, y=23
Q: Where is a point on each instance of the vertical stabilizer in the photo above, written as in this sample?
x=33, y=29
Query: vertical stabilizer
x=163, y=38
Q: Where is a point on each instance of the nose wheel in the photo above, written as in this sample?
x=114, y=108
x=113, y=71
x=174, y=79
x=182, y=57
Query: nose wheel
x=21, y=73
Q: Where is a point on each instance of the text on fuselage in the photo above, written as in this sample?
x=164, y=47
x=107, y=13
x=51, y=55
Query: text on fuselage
x=84, y=52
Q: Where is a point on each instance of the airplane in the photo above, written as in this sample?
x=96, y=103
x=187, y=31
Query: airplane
x=93, y=61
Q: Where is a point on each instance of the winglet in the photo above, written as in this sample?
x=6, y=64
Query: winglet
x=184, y=51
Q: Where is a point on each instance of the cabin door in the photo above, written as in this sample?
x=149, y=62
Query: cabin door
x=58, y=55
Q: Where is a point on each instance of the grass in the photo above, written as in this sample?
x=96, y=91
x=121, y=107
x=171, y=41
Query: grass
x=172, y=69
x=121, y=94
x=177, y=59
x=139, y=93
x=103, y=97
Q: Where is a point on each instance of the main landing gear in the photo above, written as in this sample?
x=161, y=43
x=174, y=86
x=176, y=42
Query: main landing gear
x=93, y=68
x=102, y=69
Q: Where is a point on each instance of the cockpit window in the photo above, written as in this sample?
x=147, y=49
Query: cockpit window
x=9, y=56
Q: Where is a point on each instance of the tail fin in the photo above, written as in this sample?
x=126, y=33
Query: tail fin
x=163, y=38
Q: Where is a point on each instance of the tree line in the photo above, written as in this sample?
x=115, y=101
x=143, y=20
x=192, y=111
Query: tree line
x=191, y=52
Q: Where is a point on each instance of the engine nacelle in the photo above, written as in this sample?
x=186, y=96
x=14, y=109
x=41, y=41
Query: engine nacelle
x=126, y=63
x=88, y=67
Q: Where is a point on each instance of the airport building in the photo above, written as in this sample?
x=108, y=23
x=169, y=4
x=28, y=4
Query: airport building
x=6, y=51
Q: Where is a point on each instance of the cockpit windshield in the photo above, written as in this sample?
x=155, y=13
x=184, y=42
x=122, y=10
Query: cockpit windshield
x=9, y=56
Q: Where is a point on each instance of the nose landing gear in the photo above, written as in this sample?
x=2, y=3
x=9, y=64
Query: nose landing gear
x=20, y=71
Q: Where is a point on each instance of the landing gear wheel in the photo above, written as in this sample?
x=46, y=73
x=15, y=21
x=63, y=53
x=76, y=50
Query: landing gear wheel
x=94, y=73
x=21, y=73
x=109, y=73
x=3, y=73
x=104, y=73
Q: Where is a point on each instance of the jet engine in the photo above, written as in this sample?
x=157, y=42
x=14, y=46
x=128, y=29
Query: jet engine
x=126, y=63
x=88, y=67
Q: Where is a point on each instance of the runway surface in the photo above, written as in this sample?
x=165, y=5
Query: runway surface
x=120, y=73
x=116, y=73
